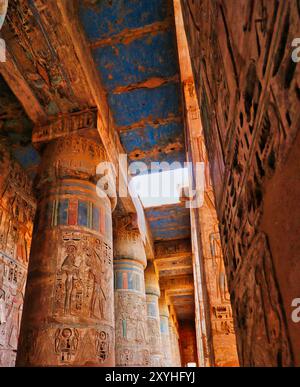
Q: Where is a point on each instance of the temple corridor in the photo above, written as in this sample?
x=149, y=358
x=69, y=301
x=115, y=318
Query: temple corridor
x=101, y=100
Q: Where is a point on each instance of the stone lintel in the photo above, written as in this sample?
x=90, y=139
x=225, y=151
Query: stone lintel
x=81, y=123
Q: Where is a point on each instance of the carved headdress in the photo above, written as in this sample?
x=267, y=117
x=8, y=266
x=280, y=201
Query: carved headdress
x=3, y=10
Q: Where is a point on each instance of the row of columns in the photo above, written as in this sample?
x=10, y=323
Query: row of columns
x=85, y=304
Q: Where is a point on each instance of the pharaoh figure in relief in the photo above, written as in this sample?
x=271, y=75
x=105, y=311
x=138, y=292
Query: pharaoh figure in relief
x=82, y=283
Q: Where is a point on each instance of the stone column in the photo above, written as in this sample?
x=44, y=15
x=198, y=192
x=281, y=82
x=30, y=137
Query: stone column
x=68, y=317
x=153, y=320
x=176, y=361
x=164, y=331
x=130, y=299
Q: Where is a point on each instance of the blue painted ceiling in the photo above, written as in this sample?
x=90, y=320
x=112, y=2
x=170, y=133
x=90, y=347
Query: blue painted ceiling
x=169, y=222
x=133, y=43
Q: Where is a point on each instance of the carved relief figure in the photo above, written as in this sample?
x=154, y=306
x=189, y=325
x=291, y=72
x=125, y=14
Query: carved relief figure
x=81, y=287
x=71, y=270
x=131, y=328
x=121, y=328
x=131, y=325
x=222, y=283
x=14, y=318
x=140, y=324
x=153, y=332
x=97, y=273
x=2, y=307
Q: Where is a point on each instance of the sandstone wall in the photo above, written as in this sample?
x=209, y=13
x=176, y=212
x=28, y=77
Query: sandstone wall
x=248, y=90
x=187, y=343
x=17, y=209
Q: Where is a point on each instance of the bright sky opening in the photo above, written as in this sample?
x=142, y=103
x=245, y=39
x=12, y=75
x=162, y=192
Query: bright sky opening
x=161, y=188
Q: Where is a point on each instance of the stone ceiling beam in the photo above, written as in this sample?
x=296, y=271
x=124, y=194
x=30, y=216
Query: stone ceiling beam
x=84, y=123
x=170, y=249
x=174, y=263
x=181, y=255
x=177, y=283
x=128, y=36
x=150, y=83
x=21, y=89
x=179, y=292
x=173, y=267
x=157, y=122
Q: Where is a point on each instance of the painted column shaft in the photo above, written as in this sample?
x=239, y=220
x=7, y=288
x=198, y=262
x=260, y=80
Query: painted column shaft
x=130, y=314
x=174, y=345
x=164, y=331
x=130, y=300
x=68, y=317
x=153, y=322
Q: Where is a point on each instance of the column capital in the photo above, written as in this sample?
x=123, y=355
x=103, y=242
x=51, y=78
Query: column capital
x=76, y=157
x=163, y=305
x=125, y=222
x=151, y=280
x=128, y=243
x=72, y=156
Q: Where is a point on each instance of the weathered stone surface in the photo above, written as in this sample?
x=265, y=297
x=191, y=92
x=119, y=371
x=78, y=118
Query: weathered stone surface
x=64, y=125
x=17, y=209
x=68, y=314
x=131, y=326
x=213, y=323
x=247, y=87
x=222, y=328
x=51, y=70
x=173, y=257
